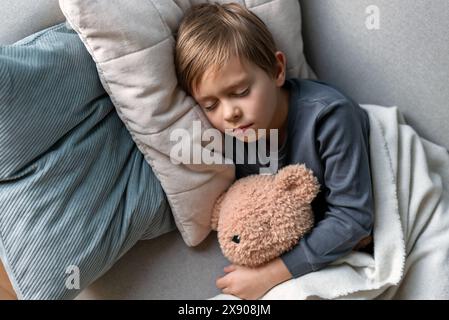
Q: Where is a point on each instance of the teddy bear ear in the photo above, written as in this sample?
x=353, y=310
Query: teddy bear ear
x=299, y=180
x=216, y=212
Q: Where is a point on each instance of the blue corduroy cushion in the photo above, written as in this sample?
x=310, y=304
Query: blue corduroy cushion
x=75, y=192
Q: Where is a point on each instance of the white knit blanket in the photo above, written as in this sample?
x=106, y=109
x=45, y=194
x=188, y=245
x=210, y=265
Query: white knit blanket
x=411, y=231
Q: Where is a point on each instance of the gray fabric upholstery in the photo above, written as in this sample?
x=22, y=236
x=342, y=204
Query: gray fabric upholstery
x=163, y=268
x=404, y=63
x=21, y=18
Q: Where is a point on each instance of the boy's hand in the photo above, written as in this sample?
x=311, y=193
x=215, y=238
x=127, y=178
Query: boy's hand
x=252, y=283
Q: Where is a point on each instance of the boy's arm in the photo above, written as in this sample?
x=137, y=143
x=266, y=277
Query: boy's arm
x=343, y=146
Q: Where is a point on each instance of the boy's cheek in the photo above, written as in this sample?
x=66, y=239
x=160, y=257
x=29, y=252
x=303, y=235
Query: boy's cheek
x=217, y=124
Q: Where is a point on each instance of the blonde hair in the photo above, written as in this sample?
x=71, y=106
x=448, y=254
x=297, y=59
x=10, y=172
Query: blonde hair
x=211, y=33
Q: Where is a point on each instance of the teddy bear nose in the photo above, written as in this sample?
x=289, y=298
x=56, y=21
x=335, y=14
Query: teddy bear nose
x=236, y=239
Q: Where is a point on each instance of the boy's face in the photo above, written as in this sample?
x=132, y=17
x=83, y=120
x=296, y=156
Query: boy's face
x=242, y=96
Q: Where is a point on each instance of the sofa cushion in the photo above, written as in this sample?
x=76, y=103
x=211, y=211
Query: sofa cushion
x=75, y=192
x=174, y=270
x=21, y=18
x=132, y=43
x=403, y=63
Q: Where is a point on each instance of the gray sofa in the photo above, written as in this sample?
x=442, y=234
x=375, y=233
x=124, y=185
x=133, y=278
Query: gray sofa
x=402, y=63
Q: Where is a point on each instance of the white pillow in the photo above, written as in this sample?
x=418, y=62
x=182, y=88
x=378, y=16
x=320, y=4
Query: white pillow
x=132, y=44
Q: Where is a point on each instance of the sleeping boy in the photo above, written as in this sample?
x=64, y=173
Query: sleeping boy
x=227, y=60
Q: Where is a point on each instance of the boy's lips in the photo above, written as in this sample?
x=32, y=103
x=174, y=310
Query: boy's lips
x=242, y=129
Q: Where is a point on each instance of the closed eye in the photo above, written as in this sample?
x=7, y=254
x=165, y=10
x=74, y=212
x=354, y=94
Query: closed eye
x=242, y=94
x=211, y=107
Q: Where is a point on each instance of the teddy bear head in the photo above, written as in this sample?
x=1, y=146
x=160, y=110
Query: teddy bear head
x=261, y=216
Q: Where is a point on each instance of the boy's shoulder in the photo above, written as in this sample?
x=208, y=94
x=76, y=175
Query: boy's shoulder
x=308, y=90
x=312, y=100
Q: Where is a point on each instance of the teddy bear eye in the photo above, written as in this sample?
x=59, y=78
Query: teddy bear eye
x=236, y=239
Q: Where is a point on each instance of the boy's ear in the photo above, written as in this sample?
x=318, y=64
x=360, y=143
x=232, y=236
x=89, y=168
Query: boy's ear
x=281, y=68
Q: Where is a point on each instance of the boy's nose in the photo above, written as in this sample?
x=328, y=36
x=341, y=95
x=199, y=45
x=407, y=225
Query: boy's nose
x=232, y=114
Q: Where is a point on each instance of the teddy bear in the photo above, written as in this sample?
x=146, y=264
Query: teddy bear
x=262, y=216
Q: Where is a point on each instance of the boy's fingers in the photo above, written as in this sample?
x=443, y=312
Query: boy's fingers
x=221, y=283
x=229, y=268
